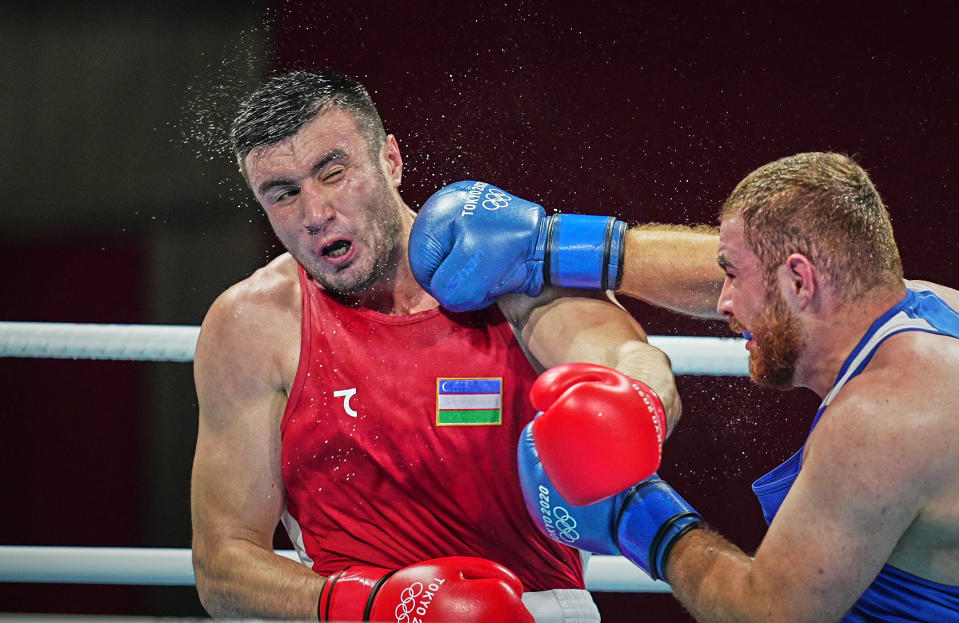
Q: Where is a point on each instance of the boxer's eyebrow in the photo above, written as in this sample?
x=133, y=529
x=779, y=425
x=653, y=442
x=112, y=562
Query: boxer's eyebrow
x=271, y=184
x=723, y=261
x=328, y=157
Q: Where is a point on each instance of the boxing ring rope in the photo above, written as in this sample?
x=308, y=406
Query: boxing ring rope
x=713, y=356
x=127, y=342
x=156, y=566
x=173, y=567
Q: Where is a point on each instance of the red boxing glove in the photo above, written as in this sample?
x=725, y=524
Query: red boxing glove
x=458, y=588
x=599, y=432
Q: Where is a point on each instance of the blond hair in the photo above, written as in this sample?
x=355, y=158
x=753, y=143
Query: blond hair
x=824, y=206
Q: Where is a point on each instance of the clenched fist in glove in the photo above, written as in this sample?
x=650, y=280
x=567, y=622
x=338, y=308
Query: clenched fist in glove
x=600, y=431
x=473, y=242
x=457, y=588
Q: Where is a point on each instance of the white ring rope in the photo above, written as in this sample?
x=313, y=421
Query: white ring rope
x=129, y=342
x=173, y=567
x=711, y=356
x=159, y=566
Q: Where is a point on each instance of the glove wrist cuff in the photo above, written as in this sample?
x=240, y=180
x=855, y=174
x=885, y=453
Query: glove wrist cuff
x=670, y=533
x=651, y=521
x=348, y=595
x=584, y=251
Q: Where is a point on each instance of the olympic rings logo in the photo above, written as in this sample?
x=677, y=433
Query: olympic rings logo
x=408, y=601
x=496, y=199
x=565, y=524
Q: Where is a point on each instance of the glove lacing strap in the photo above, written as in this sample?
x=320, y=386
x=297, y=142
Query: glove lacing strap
x=376, y=589
x=326, y=595
x=659, y=565
x=618, y=229
x=548, y=251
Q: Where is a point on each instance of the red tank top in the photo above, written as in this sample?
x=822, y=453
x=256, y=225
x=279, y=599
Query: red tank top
x=399, y=443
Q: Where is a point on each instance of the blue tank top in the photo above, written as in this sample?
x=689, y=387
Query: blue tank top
x=894, y=595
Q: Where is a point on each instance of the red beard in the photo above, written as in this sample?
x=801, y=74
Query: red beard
x=779, y=343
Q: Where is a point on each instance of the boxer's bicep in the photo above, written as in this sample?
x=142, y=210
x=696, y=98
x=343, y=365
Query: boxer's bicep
x=855, y=497
x=237, y=494
x=237, y=489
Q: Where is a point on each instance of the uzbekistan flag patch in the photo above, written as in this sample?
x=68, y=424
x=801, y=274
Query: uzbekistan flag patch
x=469, y=402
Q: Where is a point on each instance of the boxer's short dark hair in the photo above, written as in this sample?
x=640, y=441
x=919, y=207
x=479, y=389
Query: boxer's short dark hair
x=285, y=103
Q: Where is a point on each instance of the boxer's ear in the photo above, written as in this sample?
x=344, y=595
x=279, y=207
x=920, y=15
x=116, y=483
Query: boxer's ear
x=799, y=281
x=394, y=160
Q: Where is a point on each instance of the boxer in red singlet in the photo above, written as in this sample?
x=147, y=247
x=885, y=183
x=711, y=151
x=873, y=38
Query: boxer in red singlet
x=337, y=397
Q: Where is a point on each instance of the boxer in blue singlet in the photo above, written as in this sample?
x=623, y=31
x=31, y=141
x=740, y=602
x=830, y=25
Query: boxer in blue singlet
x=895, y=594
x=864, y=519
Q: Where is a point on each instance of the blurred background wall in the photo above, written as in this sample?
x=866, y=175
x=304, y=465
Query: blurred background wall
x=122, y=207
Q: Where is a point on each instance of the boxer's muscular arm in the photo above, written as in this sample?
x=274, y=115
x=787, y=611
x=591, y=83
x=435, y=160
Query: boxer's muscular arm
x=563, y=326
x=865, y=477
x=673, y=266
x=237, y=489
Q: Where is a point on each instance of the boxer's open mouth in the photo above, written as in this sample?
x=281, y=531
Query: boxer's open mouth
x=337, y=248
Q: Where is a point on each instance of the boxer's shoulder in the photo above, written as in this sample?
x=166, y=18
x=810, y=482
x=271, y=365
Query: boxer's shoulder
x=272, y=291
x=887, y=422
x=255, y=320
x=893, y=430
x=275, y=283
x=921, y=366
x=901, y=389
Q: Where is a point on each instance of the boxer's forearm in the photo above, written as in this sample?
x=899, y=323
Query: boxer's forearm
x=650, y=365
x=593, y=330
x=241, y=579
x=674, y=267
x=711, y=578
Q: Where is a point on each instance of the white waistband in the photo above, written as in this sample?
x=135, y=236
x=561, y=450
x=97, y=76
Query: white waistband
x=562, y=605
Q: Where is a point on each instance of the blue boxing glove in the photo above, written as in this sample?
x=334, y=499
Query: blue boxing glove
x=591, y=528
x=642, y=523
x=472, y=243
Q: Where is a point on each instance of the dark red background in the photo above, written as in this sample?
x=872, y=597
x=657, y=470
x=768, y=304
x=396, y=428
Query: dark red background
x=651, y=113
